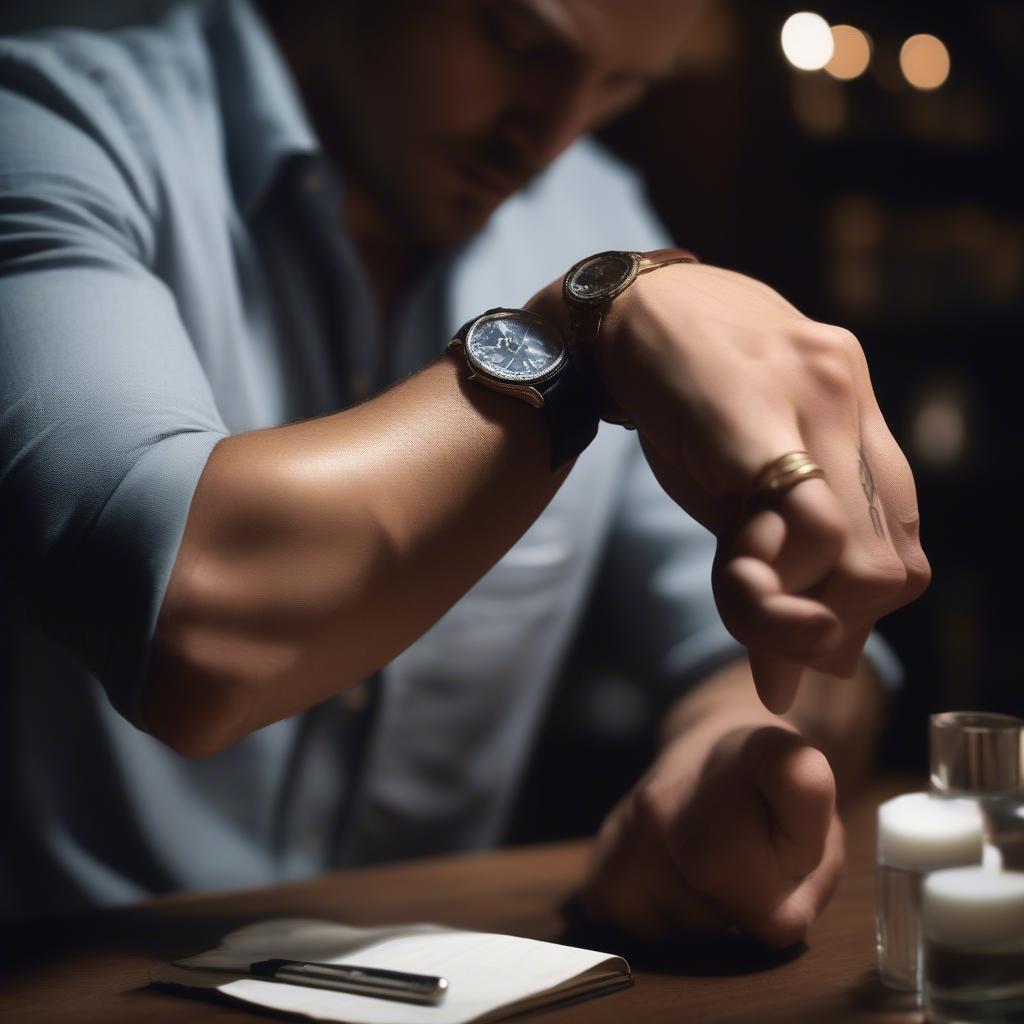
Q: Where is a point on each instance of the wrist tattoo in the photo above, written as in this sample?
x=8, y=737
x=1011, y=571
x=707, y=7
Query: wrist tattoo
x=867, y=482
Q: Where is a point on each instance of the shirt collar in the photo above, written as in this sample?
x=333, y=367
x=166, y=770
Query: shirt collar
x=263, y=117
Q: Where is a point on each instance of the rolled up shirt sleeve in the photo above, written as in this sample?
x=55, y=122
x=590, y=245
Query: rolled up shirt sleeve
x=106, y=416
x=655, y=594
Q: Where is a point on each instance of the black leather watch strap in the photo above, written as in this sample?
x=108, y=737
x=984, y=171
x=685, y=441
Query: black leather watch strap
x=569, y=399
x=572, y=410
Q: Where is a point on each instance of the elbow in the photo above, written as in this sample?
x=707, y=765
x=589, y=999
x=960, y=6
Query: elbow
x=207, y=689
x=244, y=640
x=190, y=710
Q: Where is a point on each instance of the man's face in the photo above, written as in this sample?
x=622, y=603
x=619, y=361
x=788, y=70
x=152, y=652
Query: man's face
x=448, y=106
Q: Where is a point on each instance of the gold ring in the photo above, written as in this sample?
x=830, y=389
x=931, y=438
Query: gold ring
x=783, y=473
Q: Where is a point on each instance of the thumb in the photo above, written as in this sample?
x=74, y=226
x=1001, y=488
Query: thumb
x=798, y=787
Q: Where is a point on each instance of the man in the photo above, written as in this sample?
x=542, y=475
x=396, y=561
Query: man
x=185, y=266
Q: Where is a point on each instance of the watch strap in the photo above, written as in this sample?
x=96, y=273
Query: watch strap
x=585, y=324
x=572, y=410
x=663, y=257
x=568, y=399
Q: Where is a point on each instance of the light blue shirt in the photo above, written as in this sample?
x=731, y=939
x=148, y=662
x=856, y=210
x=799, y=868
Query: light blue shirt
x=170, y=275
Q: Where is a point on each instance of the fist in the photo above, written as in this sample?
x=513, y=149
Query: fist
x=721, y=376
x=748, y=839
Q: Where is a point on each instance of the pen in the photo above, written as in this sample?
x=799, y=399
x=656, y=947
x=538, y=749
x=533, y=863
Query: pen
x=428, y=989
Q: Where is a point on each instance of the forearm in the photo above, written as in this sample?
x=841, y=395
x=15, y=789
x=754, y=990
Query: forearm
x=842, y=717
x=316, y=552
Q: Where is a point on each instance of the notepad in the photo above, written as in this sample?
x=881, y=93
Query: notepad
x=490, y=976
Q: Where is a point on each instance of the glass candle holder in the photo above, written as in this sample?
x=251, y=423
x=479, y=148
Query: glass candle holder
x=972, y=926
x=917, y=833
x=980, y=756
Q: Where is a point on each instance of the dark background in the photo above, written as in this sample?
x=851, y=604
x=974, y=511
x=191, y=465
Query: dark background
x=895, y=212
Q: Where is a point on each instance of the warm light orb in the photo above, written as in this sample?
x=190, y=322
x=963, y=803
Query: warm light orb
x=852, y=53
x=924, y=61
x=939, y=431
x=807, y=41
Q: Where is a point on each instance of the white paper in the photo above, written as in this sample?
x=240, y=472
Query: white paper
x=484, y=971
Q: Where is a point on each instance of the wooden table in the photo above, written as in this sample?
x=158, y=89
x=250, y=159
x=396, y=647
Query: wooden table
x=94, y=967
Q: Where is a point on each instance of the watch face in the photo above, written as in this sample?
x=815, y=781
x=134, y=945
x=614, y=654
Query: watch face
x=516, y=347
x=600, y=277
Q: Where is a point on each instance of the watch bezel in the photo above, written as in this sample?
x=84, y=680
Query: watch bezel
x=601, y=298
x=495, y=373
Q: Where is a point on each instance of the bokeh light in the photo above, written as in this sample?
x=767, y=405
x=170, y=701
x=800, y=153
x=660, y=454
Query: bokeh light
x=807, y=41
x=852, y=53
x=924, y=61
x=939, y=431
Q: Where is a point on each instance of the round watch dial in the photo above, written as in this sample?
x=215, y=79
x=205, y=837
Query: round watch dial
x=600, y=277
x=515, y=346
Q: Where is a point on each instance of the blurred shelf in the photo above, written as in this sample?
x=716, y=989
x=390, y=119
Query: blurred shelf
x=925, y=173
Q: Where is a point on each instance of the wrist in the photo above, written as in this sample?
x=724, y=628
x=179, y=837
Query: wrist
x=619, y=362
x=521, y=354
x=599, y=293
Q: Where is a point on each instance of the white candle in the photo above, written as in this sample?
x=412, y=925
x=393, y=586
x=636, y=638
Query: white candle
x=974, y=907
x=917, y=833
x=921, y=832
x=972, y=924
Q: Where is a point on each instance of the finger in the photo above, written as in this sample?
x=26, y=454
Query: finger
x=635, y=883
x=802, y=536
x=844, y=662
x=799, y=789
x=776, y=554
x=790, y=920
x=865, y=586
x=819, y=544
x=885, y=470
x=758, y=611
x=869, y=578
x=800, y=541
x=776, y=681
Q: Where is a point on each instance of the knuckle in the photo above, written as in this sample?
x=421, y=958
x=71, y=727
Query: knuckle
x=830, y=355
x=812, y=776
x=878, y=581
x=832, y=373
x=919, y=574
x=823, y=339
x=787, y=925
x=840, y=338
x=646, y=811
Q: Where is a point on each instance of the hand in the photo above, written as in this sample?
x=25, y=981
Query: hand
x=721, y=376
x=747, y=838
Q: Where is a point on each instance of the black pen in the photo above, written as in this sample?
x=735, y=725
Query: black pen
x=364, y=981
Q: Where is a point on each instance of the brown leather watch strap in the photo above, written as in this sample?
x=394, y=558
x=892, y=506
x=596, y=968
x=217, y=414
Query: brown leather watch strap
x=586, y=319
x=663, y=257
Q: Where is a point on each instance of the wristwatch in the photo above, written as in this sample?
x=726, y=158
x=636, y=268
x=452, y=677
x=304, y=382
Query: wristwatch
x=591, y=285
x=522, y=354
